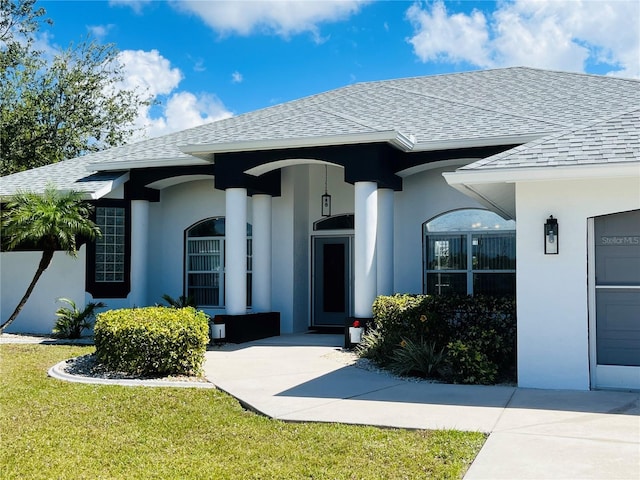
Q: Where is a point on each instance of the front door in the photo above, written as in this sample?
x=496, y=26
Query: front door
x=617, y=300
x=331, y=280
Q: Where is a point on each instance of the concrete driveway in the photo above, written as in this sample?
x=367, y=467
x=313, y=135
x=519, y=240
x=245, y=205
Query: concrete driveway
x=534, y=434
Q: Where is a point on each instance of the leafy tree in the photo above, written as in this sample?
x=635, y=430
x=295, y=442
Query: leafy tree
x=51, y=221
x=60, y=105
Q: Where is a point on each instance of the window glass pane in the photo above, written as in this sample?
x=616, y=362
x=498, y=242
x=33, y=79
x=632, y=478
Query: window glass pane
x=494, y=284
x=446, y=283
x=204, y=262
x=249, y=287
x=110, y=251
x=213, y=227
x=469, y=220
x=204, y=288
x=447, y=252
x=337, y=222
x=494, y=252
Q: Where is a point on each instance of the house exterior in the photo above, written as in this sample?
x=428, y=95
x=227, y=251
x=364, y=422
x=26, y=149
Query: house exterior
x=433, y=185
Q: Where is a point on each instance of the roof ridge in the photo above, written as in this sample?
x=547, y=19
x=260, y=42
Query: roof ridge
x=350, y=118
x=578, y=128
x=489, y=70
x=480, y=107
x=546, y=138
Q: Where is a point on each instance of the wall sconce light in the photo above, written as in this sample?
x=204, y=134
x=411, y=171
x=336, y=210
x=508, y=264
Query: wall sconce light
x=551, y=240
x=326, y=198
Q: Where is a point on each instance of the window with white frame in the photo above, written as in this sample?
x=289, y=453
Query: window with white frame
x=470, y=252
x=205, y=262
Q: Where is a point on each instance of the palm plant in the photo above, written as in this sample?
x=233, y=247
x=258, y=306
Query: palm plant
x=181, y=302
x=72, y=321
x=52, y=221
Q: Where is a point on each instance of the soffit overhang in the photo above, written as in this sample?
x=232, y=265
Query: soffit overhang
x=495, y=188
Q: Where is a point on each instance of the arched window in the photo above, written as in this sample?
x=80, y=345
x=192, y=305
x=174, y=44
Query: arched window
x=205, y=262
x=336, y=222
x=470, y=252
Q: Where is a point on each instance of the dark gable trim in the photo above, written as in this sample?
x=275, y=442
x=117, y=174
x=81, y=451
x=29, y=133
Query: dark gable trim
x=405, y=160
x=374, y=162
x=365, y=162
x=110, y=289
x=362, y=162
x=136, y=188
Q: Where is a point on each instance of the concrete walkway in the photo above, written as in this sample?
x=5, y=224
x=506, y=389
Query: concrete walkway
x=534, y=434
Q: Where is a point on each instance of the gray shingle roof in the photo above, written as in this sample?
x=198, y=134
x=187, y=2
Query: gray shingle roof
x=455, y=107
x=66, y=175
x=611, y=140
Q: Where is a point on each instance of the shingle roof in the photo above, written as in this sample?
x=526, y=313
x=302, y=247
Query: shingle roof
x=611, y=140
x=455, y=107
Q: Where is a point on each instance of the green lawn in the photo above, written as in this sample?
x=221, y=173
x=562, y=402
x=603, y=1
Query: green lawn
x=55, y=429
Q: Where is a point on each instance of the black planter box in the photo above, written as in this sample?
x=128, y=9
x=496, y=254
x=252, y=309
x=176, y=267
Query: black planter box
x=251, y=326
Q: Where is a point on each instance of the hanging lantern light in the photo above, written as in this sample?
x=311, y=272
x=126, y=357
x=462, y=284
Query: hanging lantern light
x=326, y=198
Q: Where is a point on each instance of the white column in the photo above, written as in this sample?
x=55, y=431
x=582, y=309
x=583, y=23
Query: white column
x=385, y=241
x=365, y=261
x=261, y=276
x=236, y=251
x=139, y=249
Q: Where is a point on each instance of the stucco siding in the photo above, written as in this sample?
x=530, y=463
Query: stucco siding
x=64, y=278
x=552, y=290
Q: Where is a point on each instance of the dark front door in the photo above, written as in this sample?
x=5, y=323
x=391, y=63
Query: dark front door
x=331, y=286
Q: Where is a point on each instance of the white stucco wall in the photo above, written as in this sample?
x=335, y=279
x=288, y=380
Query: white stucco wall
x=424, y=195
x=552, y=291
x=180, y=207
x=63, y=278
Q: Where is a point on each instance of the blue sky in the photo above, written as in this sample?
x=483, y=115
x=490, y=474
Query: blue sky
x=206, y=60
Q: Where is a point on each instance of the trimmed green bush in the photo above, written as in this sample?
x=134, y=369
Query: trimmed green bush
x=152, y=340
x=477, y=335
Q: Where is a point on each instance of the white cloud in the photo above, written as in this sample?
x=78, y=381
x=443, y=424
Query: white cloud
x=280, y=17
x=236, y=77
x=451, y=38
x=135, y=5
x=186, y=110
x=150, y=74
x=552, y=34
x=100, y=31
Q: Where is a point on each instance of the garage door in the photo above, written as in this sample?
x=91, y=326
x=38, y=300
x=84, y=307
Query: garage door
x=617, y=300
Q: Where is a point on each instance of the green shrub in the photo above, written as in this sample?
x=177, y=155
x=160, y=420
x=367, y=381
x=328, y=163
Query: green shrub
x=152, y=340
x=466, y=364
x=484, y=326
x=72, y=321
x=419, y=358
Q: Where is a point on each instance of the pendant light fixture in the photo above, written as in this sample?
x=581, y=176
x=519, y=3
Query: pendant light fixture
x=326, y=198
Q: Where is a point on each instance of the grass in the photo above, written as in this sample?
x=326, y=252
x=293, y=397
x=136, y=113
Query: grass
x=55, y=429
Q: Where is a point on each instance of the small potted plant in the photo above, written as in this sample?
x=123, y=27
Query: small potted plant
x=355, y=332
x=217, y=328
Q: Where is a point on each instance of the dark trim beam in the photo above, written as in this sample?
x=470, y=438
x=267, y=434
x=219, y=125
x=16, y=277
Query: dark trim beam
x=406, y=160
